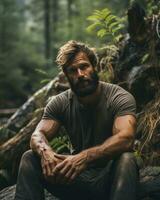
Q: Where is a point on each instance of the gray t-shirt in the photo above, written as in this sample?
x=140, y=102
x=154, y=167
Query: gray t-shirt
x=90, y=126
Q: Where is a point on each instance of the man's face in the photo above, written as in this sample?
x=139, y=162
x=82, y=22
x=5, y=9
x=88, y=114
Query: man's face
x=82, y=76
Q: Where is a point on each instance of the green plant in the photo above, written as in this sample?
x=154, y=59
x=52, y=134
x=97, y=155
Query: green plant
x=153, y=7
x=104, y=23
x=62, y=144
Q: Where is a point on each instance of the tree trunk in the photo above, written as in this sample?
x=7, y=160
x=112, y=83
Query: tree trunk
x=55, y=9
x=47, y=26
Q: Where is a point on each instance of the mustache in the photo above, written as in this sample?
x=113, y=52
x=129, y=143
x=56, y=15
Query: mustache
x=81, y=80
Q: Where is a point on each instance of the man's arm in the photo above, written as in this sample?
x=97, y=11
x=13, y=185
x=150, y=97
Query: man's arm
x=122, y=138
x=120, y=141
x=45, y=131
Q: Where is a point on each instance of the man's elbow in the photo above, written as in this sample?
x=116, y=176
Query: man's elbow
x=32, y=141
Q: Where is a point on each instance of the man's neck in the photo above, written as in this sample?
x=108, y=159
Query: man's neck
x=92, y=99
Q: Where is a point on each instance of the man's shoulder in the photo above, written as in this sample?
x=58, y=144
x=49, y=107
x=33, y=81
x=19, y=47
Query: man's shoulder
x=113, y=91
x=61, y=100
x=110, y=88
x=63, y=96
x=120, y=101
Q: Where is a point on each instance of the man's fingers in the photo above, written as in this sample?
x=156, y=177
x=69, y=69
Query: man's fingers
x=73, y=176
x=46, y=168
x=49, y=170
x=65, y=169
x=58, y=167
x=62, y=172
x=52, y=166
x=69, y=175
x=60, y=156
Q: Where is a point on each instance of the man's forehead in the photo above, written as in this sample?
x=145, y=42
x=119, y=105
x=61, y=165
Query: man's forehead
x=80, y=58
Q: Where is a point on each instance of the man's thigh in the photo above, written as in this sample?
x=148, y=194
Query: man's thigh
x=92, y=184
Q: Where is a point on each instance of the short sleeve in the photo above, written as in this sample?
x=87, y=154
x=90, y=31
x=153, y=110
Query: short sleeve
x=123, y=103
x=53, y=109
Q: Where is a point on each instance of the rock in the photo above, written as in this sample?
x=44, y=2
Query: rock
x=149, y=183
x=149, y=188
x=142, y=78
x=9, y=192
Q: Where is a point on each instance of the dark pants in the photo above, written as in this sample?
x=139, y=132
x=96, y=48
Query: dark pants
x=117, y=181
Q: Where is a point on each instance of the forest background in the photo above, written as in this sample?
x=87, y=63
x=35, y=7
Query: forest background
x=126, y=36
x=31, y=31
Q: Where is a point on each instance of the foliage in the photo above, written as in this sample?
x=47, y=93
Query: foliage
x=104, y=23
x=153, y=7
x=109, y=54
x=18, y=57
x=22, y=43
x=47, y=76
x=62, y=144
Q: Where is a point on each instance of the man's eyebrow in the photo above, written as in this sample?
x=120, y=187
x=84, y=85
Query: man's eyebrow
x=80, y=64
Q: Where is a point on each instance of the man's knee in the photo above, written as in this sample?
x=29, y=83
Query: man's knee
x=28, y=161
x=27, y=157
x=127, y=159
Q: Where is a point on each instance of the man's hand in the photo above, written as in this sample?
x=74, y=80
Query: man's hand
x=71, y=166
x=49, y=162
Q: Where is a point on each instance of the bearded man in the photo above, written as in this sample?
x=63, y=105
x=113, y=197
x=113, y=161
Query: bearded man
x=100, y=121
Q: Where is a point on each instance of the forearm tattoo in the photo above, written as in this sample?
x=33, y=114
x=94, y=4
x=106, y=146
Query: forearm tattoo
x=39, y=143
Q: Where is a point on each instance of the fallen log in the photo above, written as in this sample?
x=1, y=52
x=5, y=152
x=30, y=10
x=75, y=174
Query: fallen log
x=27, y=111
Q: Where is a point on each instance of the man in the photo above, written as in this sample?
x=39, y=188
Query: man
x=100, y=121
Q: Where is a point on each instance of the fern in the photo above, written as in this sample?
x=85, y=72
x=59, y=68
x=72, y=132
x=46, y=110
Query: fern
x=61, y=144
x=104, y=23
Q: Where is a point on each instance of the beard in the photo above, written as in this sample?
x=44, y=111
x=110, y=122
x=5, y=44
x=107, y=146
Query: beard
x=84, y=86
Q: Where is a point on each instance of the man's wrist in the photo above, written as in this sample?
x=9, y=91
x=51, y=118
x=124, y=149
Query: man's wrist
x=43, y=148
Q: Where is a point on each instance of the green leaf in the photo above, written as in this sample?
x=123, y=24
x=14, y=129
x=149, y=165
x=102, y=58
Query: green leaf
x=61, y=148
x=105, y=24
x=117, y=38
x=110, y=18
x=144, y=58
x=106, y=11
x=117, y=29
x=40, y=71
x=93, y=18
x=47, y=80
x=92, y=27
x=113, y=24
x=101, y=33
x=98, y=13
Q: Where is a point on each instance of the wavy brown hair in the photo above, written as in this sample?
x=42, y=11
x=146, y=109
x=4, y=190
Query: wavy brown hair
x=68, y=51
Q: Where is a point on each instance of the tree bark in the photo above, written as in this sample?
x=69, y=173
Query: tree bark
x=47, y=27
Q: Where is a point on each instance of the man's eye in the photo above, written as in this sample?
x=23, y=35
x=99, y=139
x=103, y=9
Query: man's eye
x=83, y=67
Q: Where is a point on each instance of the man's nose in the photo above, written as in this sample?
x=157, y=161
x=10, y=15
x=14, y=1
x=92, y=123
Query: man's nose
x=80, y=72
